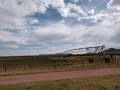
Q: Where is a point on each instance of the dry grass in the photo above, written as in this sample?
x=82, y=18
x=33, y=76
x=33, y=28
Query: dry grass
x=95, y=83
x=26, y=65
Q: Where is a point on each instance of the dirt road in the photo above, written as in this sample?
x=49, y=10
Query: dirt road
x=58, y=75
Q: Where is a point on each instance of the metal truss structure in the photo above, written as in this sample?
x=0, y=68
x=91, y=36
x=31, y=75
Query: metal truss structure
x=86, y=50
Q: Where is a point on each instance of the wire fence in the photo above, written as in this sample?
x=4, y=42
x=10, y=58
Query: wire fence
x=61, y=63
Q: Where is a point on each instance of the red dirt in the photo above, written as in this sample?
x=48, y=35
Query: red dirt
x=58, y=75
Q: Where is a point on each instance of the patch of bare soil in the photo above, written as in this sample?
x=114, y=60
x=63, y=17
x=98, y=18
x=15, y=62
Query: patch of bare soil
x=58, y=75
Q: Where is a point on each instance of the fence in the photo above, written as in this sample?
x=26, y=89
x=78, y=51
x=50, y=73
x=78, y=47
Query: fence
x=59, y=64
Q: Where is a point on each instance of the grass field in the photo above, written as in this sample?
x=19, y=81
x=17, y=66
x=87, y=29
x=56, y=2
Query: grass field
x=95, y=83
x=32, y=64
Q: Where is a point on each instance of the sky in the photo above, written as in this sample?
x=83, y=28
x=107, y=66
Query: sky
x=33, y=27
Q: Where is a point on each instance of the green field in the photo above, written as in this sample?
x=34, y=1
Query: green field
x=95, y=83
x=32, y=64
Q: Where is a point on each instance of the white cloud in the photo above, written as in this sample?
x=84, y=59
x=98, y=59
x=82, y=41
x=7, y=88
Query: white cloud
x=90, y=0
x=64, y=11
x=33, y=21
x=55, y=32
x=13, y=12
x=70, y=10
x=12, y=39
x=75, y=0
x=91, y=11
x=100, y=17
x=13, y=17
x=104, y=32
x=99, y=34
x=115, y=4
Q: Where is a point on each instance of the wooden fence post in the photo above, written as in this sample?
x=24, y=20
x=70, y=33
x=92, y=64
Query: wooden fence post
x=83, y=62
x=55, y=64
x=5, y=67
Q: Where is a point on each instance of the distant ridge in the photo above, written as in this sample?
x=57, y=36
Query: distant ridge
x=50, y=54
x=109, y=51
x=112, y=50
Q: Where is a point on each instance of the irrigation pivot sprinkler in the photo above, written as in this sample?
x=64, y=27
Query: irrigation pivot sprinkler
x=87, y=50
x=100, y=50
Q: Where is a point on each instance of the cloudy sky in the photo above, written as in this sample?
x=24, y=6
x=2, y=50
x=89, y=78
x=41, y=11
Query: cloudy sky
x=29, y=27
